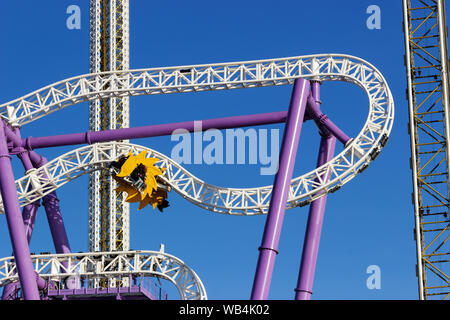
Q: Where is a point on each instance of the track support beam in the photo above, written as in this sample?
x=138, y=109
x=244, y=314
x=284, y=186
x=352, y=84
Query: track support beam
x=313, y=232
x=14, y=220
x=277, y=207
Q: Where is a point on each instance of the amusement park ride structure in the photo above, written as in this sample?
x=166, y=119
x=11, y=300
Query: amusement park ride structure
x=110, y=270
x=109, y=51
x=426, y=61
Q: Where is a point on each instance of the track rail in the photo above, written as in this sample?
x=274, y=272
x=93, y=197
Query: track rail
x=114, y=266
x=207, y=77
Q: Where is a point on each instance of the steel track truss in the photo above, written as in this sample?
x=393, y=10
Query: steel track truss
x=195, y=78
x=114, y=267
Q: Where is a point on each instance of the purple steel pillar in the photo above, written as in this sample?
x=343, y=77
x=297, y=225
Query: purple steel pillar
x=272, y=230
x=314, y=228
x=29, y=217
x=14, y=220
x=316, y=211
x=315, y=91
x=55, y=221
x=30, y=210
x=54, y=216
x=10, y=291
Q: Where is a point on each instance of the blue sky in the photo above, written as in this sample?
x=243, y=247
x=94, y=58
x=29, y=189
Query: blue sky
x=368, y=222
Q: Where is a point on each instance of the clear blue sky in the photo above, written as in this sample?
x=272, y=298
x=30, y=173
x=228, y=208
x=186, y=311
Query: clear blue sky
x=368, y=222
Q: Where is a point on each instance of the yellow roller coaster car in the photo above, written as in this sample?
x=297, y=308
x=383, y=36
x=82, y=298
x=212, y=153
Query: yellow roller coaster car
x=139, y=178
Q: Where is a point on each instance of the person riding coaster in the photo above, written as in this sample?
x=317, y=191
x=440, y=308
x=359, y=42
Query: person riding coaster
x=137, y=177
x=141, y=180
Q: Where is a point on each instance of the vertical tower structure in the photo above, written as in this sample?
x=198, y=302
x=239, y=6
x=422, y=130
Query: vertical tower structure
x=426, y=60
x=109, y=51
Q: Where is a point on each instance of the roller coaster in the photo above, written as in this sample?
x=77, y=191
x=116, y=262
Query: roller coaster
x=121, y=274
x=329, y=177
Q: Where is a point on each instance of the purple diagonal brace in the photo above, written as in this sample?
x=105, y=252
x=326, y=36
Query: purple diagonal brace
x=54, y=216
x=29, y=216
x=30, y=210
x=277, y=207
x=316, y=212
x=56, y=223
x=14, y=220
x=323, y=121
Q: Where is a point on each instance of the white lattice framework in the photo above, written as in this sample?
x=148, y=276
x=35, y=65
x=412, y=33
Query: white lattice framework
x=109, y=51
x=356, y=156
x=195, y=78
x=114, y=266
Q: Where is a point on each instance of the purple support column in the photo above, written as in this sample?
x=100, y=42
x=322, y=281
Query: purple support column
x=15, y=222
x=24, y=156
x=37, y=160
x=29, y=211
x=271, y=236
x=54, y=216
x=316, y=209
x=314, y=228
x=56, y=223
x=29, y=216
x=10, y=291
x=315, y=91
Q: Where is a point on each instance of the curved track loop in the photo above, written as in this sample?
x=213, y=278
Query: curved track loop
x=352, y=160
x=115, y=266
x=247, y=74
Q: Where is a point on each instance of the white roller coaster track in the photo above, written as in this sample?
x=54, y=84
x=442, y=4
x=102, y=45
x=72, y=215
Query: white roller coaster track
x=114, y=266
x=248, y=74
x=246, y=201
